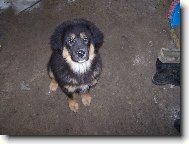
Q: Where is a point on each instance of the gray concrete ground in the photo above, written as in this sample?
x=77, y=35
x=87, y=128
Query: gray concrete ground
x=125, y=102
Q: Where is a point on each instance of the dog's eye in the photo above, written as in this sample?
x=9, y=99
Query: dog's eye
x=71, y=41
x=85, y=39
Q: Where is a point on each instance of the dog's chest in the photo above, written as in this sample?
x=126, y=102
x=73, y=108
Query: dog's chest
x=82, y=80
x=79, y=88
x=81, y=83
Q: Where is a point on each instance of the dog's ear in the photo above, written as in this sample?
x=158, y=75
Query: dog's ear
x=58, y=36
x=98, y=37
x=56, y=40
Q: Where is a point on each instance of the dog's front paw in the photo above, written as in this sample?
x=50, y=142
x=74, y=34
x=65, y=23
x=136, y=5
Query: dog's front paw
x=53, y=86
x=86, y=99
x=73, y=105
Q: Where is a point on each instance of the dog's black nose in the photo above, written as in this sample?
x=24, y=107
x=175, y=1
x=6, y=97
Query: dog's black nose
x=81, y=53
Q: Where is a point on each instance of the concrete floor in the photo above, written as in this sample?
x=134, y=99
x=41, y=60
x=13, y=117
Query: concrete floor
x=125, y=102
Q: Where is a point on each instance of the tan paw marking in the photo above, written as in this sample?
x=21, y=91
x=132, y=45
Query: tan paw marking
x=86, y=99
x=53, y=86
x=73, y=105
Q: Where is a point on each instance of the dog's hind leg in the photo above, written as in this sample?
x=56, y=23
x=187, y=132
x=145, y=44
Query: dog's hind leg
x=53, y=84
x=85, y=95
x=86, y=99
x=72, y=103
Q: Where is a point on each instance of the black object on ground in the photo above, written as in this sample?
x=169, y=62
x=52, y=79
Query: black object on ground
x=167, y=73
x=177, y=124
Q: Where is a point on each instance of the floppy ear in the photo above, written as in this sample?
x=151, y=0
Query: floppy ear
x=56, y=40
x=98, y=37
x=58, y=36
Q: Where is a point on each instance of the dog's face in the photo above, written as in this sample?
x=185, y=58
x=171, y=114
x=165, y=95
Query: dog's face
x=78, y=41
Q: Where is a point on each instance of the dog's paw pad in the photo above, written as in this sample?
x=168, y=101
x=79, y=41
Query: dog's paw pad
x=73, y=105
x=86, y=99
x=53, y=86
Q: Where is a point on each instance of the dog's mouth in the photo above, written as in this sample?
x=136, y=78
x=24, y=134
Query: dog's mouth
x=82, y=61
x=79, y=60
x=80, y=56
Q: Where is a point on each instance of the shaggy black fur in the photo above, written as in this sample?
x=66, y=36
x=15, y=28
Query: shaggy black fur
x=61, y=69
x=57, y=39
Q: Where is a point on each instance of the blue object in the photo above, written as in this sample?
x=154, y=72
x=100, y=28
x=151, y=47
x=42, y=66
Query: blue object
x=175, y=18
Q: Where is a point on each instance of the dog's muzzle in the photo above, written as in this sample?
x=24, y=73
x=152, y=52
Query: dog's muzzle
x=82, y=55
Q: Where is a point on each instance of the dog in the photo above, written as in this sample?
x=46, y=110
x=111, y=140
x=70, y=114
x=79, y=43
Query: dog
x=75, y=64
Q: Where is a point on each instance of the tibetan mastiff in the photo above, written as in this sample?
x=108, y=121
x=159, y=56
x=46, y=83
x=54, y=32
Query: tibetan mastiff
x=75, y=64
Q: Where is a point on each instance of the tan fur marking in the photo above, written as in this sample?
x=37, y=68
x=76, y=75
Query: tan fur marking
x=73, y=105
x=51, y=75
x=91, y=50
x=82, y=35
x=53, y=86
x=96, y=72
x=86, y=99
x=73, y=88
x=72, y=80
x=66, y=53
x=94, y=82
x=72, y=35
x=70, y=88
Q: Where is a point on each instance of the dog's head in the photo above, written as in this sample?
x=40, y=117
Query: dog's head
x=78, y=40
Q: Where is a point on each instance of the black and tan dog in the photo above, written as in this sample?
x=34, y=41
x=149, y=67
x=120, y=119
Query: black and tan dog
x=75, y=64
